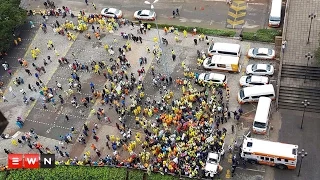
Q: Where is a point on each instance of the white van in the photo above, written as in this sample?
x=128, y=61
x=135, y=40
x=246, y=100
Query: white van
x=275, y=13
x=261, y=119
x=224, y=63
x=225, y=49
x=252, y=94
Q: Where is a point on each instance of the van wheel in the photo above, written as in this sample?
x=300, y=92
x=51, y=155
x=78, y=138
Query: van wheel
x=280, y=166
x=252, y=161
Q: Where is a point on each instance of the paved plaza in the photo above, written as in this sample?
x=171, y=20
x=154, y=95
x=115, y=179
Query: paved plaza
x=51, y=123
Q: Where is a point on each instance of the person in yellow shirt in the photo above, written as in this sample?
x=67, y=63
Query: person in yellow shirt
x=185, y=33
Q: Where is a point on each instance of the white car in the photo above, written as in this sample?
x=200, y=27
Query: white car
x=214, y=78
x=145, y=15
x=248, y=81
x=212, y=164
x=260, y=69
x=261, y=53
x=111, y=12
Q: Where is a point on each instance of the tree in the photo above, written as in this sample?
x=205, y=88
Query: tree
x=11, y=17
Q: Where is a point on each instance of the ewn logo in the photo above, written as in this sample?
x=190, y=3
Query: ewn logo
x=31, y=161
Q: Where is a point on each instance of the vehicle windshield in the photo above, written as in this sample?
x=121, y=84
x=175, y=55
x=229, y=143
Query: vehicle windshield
x=255, y=51
x=268, y=67
x=254, y=67
x=209, y=61
x=259, y=124
x=241, y=93
x=248, y=79
x=269, y=51
x=206, y=77
x=116, y=12
x=212, y=161
x=274, y=18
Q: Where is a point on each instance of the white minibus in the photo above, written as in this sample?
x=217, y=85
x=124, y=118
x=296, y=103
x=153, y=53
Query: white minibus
x=261, y=119
x=275, y=13
x=252, y=94
x=223, y=63
x=225, y=49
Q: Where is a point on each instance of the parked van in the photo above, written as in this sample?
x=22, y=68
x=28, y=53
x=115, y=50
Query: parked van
x=261, y=119
x=252, y=94
x=275, y=13
x=225, y=49
x=224, y=63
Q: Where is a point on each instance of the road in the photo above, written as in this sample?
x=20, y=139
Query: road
x=306, y=138
x=201, y=13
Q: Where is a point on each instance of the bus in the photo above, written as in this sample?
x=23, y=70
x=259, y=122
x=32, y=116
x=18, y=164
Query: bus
x=261, y=119
x=280, y=155
x=275, y=13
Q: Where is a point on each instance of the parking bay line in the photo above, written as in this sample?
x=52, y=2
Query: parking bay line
x=254, y=170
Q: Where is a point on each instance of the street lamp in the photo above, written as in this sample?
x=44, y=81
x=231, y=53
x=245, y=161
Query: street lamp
x=311, y=16
x=305, y=103
x=302, y=154
x=308, y=56
x=160, y=43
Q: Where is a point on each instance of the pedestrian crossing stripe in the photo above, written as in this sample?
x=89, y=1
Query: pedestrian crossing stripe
x=236, y=14
x=228, y=175
x=238, y=8
x=235, y=23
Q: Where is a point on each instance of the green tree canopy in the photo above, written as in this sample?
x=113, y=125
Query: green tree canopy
x=11, y=16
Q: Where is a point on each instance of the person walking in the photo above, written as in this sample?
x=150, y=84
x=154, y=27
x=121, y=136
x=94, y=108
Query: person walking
x=67, y=117
x=67, y=154
x=173, y=57
x=4, y=99
x=85, y=127
x=98, y=152
x=86, y=1
x=107, y=119
x=85, y=133
x=235, y=113
x=28, y=71
x=94, y=6
x=95, y=137
x=107, y=144
x=240, y=111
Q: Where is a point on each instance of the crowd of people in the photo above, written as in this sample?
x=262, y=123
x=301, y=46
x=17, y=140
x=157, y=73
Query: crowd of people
x=177, y=129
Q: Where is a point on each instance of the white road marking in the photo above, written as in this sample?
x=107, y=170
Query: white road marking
x=249, y=26
x=260, y=4
x=255, y=170
x=196, y=20
x=183, y=20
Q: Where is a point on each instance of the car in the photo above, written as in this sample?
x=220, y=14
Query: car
x=248, y=81
x=212, y=166
x=111, y=12
x=260, y=69
x=261, y=53
x=214, y=78
x=145, y=15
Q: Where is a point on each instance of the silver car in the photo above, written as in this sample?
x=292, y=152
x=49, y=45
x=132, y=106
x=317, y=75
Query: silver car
x=261, y=53
x=145, y=15
x=248, y=81
x=260, y=69
x=111, y=12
